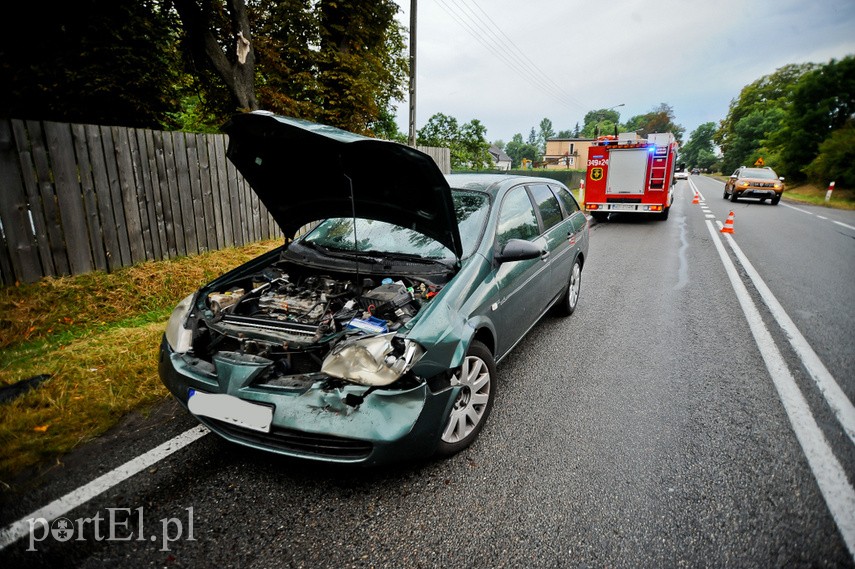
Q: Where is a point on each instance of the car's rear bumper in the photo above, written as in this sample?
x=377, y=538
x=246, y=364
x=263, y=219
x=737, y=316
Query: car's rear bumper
x=330, y=424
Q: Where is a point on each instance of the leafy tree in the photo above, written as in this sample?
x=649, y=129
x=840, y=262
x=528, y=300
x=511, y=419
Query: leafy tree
x=386, y=127
x=518, y=149
x=474, y=145
x=700, y=140
x=546, y=132
x=707, y=160
x=218, y=36
x=746, y=143
x=660, y=119
x=440, y=130
x=467, y=143
x=532, y=137
x=755, y=115
x=836, y=159
x=92, y=61
x=599, y=121
x=339, y=62
x=175, y=63
x=565, y=134
x=822, y=101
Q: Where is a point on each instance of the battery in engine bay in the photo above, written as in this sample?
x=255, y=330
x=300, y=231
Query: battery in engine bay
x=386, y=299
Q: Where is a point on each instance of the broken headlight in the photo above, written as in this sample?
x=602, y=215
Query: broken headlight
x=372, y=360
x=179, y=337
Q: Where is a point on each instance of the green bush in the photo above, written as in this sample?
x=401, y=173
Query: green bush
x=570, y=178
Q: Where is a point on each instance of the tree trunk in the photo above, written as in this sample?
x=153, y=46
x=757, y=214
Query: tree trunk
x=238, y=77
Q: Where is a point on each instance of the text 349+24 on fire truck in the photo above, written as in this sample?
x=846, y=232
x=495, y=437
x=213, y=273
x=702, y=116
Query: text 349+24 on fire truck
x=630, y=174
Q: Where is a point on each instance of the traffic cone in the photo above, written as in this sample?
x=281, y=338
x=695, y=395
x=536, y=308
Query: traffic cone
x=728, y=224
x=696, y=199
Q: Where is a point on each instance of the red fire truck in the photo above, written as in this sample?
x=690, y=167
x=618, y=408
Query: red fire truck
x=627, y=173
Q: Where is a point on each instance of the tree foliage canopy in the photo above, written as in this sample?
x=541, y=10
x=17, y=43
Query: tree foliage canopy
x=518, y=149
x=467, y=143
x=787, y=116
x=698, y=150
x=92, y=61
x=177, y=63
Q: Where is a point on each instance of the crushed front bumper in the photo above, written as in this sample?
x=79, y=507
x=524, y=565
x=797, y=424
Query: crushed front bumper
x=345, y=424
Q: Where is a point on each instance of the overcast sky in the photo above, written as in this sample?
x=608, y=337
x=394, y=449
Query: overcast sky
x=510, y=63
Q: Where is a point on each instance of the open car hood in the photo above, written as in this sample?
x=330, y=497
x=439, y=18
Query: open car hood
x=304, y=172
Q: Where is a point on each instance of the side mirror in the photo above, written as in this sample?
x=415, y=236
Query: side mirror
x=733, y=176
x=518, y=250
x=781, y=178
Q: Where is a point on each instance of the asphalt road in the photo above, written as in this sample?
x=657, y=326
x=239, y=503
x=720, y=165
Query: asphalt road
x=646, y=430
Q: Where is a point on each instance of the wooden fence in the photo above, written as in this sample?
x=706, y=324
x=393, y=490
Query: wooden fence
x=78, y=198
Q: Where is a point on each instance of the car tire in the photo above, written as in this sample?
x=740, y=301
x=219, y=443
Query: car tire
x=664, y=215
x=775, y=200
x=599, y=215
x=474, y=401
x=726, y=195
x=566, y=305
x=733, y=197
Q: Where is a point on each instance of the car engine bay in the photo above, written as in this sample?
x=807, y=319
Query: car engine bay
x=294, y=316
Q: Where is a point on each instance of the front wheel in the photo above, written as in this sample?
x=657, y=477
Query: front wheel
x=726, y=195
x=733, y=197
x=567, y=303
x=775, y=200
x=474, y=400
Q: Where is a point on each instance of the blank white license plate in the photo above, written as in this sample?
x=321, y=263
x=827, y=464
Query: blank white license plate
x=623, y=207
x=230, y=409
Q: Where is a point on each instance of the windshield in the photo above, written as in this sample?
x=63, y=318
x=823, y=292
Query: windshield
x=337, y=233
x=760, y=173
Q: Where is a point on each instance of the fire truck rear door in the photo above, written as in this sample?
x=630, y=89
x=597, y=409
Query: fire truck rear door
x=627, y=171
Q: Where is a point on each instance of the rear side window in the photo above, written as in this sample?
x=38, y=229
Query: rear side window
x=517, y=219
x=567, y=200
x=550, y=211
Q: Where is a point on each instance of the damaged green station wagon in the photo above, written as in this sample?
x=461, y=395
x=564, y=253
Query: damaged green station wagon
x=374, y=337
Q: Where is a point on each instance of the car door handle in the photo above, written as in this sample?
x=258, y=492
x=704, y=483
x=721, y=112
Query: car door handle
x=544, y=254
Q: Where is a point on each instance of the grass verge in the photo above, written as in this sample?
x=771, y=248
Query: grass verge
x=841, y=198
x=97, y=335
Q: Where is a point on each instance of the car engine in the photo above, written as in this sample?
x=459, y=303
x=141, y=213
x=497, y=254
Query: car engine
x=295, y=317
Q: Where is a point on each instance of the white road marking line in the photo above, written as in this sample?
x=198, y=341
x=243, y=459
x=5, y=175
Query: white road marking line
x=836, y=490
x=13, y=532
x=822, y=217
x=828, y=386
x=843, y=224
x=797, y=208
x=697, y=191
x=709, y=216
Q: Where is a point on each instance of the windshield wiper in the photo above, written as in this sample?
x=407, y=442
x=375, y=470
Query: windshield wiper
x=405, y=257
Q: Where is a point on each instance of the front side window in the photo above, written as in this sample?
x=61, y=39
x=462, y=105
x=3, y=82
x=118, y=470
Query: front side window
x=517, y=219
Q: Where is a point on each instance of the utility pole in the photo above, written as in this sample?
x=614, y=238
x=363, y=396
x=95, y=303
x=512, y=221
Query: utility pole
x=412, y=138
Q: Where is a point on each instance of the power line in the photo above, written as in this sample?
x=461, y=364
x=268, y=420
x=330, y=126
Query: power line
x=532, y=63
x=515, y=58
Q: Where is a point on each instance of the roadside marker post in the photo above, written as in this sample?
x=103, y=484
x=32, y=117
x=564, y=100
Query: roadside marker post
x=828, y=193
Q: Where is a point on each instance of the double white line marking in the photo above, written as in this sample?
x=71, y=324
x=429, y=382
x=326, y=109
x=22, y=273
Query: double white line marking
x=836, y=489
